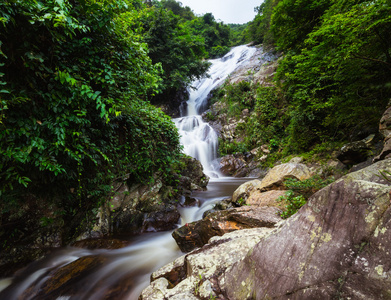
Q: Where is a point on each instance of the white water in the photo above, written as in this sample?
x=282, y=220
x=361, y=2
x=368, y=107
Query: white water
x=197, y=137
x=150, y=251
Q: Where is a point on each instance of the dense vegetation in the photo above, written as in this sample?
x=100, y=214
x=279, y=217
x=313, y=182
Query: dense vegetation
x=75, y=80
x=216, y=35
x=333, y=79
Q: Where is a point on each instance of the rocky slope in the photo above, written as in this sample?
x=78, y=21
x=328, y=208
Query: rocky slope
x=132, y=209
x=336, y=246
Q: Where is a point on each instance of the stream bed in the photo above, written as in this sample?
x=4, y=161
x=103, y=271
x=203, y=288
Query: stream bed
x=74, y=273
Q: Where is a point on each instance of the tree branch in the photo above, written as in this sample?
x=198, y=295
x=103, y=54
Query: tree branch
x=388, y=65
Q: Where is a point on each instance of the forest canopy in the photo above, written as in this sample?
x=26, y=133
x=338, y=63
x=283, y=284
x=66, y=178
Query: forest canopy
x=334, y=75
x=74, y=111
x=77, y=78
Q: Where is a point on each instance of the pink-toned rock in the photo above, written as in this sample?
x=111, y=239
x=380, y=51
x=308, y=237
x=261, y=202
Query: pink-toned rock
x=335, y=247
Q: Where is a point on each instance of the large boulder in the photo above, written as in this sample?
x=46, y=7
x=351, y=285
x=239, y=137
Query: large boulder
x=244, y=190
x=232, y=164
x=137, y=208
x=270, y=198
x=197, y=234
x=273, y=180
x=356, y=152
x=194, y=275
x=275, y=177
x=336, y=246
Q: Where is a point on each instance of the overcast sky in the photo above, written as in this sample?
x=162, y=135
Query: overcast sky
x=228, y=11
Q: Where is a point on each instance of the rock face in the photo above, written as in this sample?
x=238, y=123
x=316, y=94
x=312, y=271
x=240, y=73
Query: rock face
x=356, y=152
x=194, y=276
x=197, y=234
x=239, y=165
x=134, y=208
x=336, y=246
x=253, y=192
x=262, y=64
x=140, y=208
x=385, y=131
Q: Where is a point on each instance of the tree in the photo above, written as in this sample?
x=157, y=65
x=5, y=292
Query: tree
x=73, y=101
x=173, y=45
x=340, y=82
x=293, y=20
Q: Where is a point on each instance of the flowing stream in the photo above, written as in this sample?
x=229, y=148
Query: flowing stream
x=124, y=273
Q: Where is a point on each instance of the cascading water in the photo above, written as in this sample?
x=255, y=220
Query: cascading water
x=197, y=137
x=124, y=273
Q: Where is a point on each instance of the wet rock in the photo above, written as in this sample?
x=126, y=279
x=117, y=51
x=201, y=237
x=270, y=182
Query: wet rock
x=139, y=208
x=386, y=151
x=196, y=272
x=385, y=123
x=336, y=246
x=190, y=202
x=257, y=172
x=100, y=244
x=221, y=205
x=262, y=66
x=68, y=280
x=197, y=234
x=231, y=165
x=194, y=170
x=162, y=220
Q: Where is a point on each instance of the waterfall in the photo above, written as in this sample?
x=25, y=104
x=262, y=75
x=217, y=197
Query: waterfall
x=131, y=266
x=198, y=138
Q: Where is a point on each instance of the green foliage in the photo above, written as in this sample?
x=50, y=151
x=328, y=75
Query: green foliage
x=258, y=30
x=216, y=35
x=293, y=204
x=178, y=9
x=322, y=151
x=237, y=97
x=340, y=82
x=293, y=20
x=73, y=115
x=231, y=147
x=174, y=46
x=300, y=191
x=386, y=175
x=239, y=34
x=267, y=123
x=267, y=120
x=307, y=187
x=335, y=70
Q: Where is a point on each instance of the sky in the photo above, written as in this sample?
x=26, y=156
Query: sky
x=228, y=11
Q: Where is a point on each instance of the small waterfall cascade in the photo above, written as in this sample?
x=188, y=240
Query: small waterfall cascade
x=198, y=138
x=128, y=269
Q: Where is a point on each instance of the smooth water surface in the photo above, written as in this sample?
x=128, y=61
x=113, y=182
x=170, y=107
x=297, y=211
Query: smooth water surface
x=124, y=273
